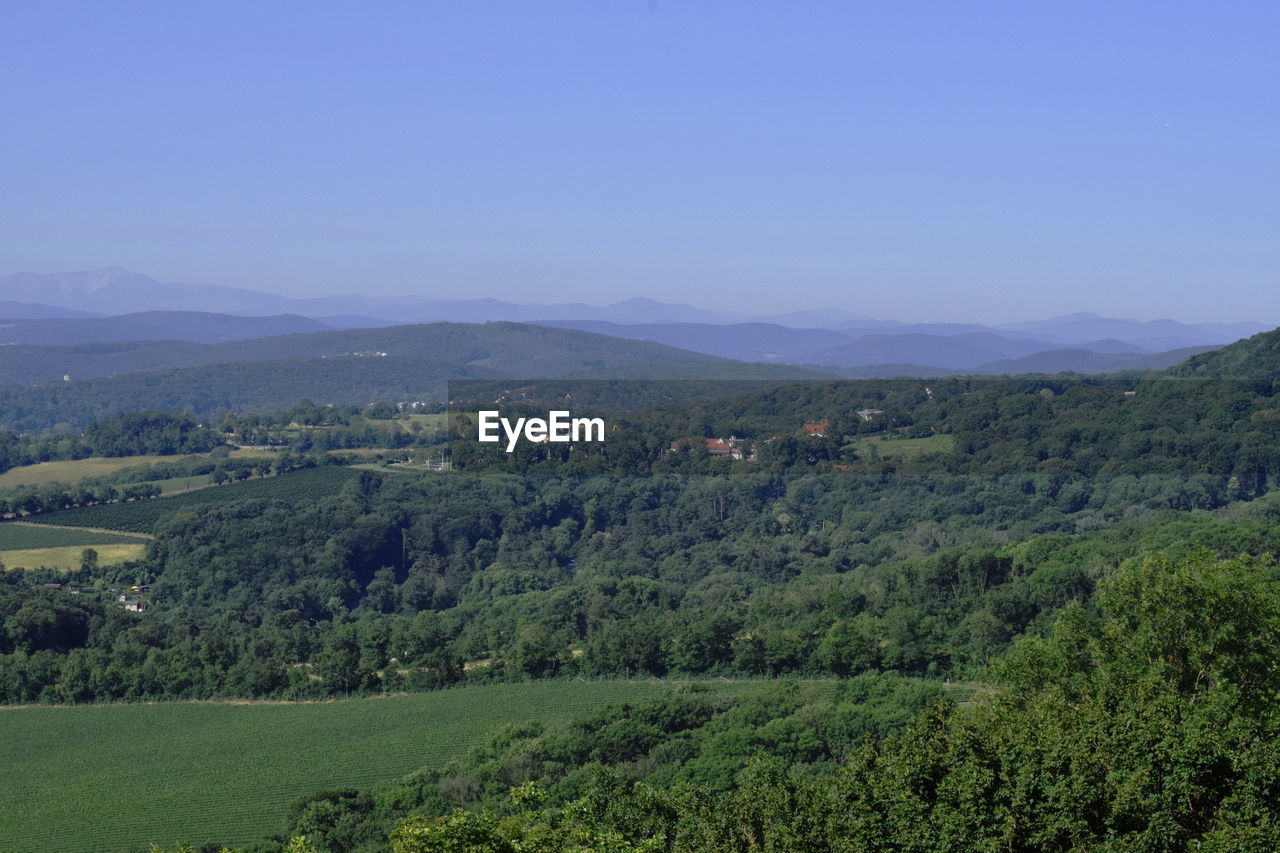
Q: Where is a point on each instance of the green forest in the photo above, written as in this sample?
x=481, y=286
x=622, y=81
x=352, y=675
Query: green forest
x=1033, y=613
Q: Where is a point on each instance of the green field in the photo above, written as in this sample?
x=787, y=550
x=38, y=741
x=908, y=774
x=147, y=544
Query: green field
x=75, y=471
x=66, y=559
x=428, y=423
x=902, y=448
x=118, y=777
x=21, y=535
x=141, y=516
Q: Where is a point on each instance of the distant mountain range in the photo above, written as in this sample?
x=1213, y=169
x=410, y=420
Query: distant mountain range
x=34, y=310
x=858, y=354
x=197, y=326
x=1154, y=335
x=507, y=349
x=116, y=291
x=59, y=387
x=113, y=305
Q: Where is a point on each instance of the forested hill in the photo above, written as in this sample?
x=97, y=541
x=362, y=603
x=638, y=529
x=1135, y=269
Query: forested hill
x=1257, y=357
x=75, y=385
x=504, y=348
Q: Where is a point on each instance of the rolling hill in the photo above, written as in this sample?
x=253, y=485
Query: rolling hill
x=506, y=348
x=768, y=342
x=922, y=349
x=355, y=366
x=197, y=326
x=1151, y=334
x=1088, y=361
x=115, y=777
x=10, y=310
x=1257, y=357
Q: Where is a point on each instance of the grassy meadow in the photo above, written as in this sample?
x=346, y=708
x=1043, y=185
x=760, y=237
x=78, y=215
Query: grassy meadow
x=67, y=558
x=890, y=447
x=76, y=471
x=119, y=777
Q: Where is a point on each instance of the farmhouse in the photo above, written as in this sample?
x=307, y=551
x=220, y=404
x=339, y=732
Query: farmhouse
x=719, y=447
x=730, y=447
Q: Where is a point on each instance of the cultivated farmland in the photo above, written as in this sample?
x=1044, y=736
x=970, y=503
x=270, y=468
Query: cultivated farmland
x=75, y=471
x=141, y=516
x=118, y=777
x=20, y=535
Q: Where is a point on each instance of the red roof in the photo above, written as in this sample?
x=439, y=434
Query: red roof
x=818, y=429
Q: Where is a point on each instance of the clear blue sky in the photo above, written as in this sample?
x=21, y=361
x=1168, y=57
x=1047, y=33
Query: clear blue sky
x=922, y=161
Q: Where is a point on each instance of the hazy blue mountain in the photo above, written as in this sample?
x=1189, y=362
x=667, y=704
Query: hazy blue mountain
x=1152, y=334
x=953, y=352
x=354, y=321
x=36, y=311
x=951, y=347
x=116, y=291
x=946, y=330
x=1111, y=346
x=112, y=290
x=1085, y=361
x=766, y=342
x=1172, y=342
x=155, y=326
x=826, y=318
x=890, y=371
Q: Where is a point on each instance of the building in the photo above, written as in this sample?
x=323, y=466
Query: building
x=720, y=447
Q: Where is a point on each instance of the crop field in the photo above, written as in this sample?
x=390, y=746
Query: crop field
x=65, y=559
x=119, y=777
x=21, y=535
x=141, y=516
x=74, y=471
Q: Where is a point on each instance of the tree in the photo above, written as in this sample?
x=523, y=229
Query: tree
x=1149, y=725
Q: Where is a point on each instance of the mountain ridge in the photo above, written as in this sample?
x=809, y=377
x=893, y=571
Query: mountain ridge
x=194, y=326
x=113, y=290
